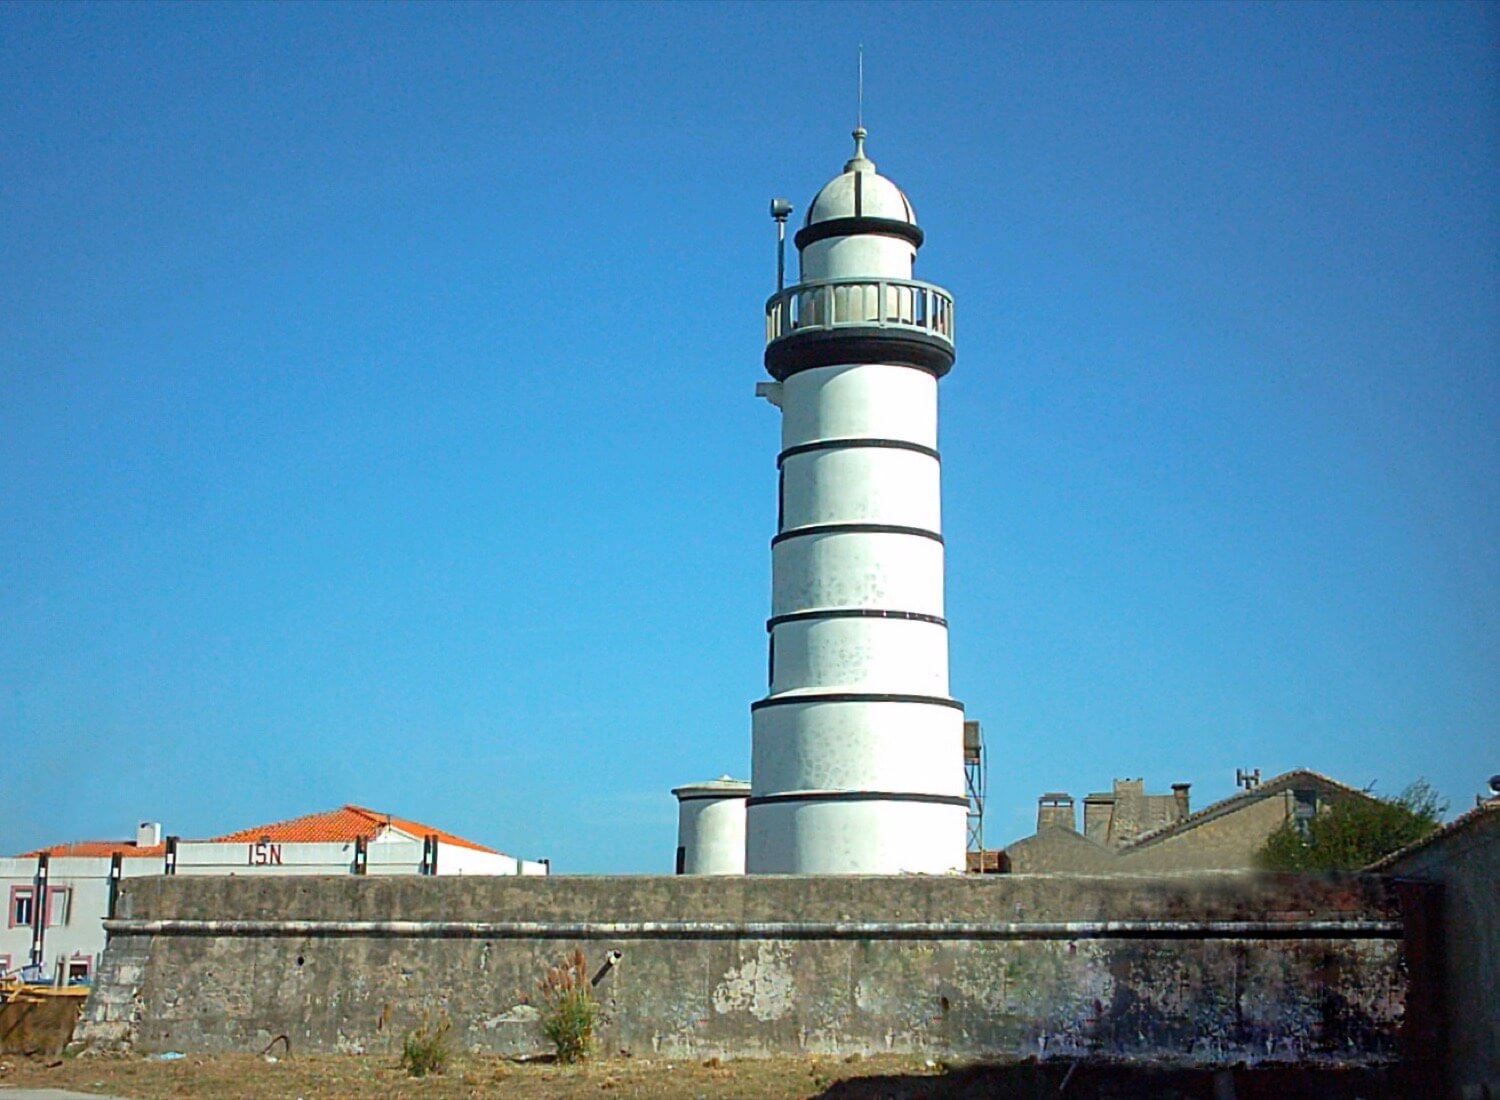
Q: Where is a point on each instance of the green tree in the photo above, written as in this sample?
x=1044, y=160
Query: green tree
x=1354, y=832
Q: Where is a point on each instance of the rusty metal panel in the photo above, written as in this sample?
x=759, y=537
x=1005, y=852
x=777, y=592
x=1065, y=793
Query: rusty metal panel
x=38, y=1025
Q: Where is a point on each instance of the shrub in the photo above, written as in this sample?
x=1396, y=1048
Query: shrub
x=1354, y=832
x=425, y=1048
x=569, y=1011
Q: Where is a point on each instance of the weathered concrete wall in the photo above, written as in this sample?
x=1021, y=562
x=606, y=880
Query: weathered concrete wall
x=1467, y=864
x=1202, y=971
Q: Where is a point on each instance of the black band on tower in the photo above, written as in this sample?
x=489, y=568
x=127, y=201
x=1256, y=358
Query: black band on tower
x=854, y=697
x=856, y=529
x=861, y=226
x=720, y=796
x=853, y=613
x=859, y=796
x=849, y=345
x=837, y=444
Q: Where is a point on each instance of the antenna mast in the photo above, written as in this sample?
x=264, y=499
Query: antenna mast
x=859, y=111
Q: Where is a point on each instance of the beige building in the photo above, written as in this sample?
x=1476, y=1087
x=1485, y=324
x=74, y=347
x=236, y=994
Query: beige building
x=1128, y=829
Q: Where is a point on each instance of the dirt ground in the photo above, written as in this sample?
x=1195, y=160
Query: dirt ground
x=337, y=1077
x=341, y=1077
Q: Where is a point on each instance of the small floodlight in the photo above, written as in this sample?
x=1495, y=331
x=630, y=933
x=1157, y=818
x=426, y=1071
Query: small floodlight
x=1495, y=784
x=780, y=208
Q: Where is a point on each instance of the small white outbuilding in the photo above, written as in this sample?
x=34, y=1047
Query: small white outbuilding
x=711, y=827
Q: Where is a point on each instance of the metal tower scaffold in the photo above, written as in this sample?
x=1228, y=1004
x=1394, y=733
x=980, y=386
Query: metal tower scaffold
x=974, y=782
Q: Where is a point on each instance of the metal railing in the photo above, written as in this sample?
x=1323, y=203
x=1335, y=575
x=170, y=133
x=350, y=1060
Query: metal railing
x=902, y=304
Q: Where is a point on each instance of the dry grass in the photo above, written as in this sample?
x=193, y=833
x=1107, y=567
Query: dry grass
x=339, y=1077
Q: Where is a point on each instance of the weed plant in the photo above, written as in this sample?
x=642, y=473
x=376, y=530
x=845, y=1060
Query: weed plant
x=568, y=1008
x=425, y=1049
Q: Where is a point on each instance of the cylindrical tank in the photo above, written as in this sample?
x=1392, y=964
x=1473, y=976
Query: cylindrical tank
x=711, y=827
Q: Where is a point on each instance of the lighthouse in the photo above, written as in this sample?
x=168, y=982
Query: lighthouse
x=857, y=747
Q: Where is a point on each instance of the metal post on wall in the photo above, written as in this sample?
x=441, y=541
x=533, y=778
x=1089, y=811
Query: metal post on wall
x=39, y=908
x=170, y=865
x=116, y=872
x=361, y=855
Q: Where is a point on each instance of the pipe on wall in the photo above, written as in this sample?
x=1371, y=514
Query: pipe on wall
x=773, y=930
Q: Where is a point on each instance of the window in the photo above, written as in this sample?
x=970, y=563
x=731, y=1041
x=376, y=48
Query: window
x=22, y=906
x=1304, y=808
x=59, y=901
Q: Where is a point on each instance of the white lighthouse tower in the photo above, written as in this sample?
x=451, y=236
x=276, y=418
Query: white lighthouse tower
x=857, y=754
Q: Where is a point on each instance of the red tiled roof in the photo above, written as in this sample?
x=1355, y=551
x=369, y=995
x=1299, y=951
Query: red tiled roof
x=97, y=848
x=343, y=824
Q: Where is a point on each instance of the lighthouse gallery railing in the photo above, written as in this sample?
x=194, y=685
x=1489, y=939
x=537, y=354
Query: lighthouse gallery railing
x=860, y=303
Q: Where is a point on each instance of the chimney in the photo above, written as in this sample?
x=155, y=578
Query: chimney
x=148, y=834
x=1054, y=810
x=1098, y=816
x=1180, y=794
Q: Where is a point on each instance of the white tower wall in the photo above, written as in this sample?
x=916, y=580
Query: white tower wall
x=859, y=401
x=857, y=754
x=857, y=746
x=837, y=257
x=862, y=653
x=847, y=484
x=856, y=569
x=856, y=838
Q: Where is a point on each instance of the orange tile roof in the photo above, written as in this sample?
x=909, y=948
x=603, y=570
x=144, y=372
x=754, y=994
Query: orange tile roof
x=96, y=848
x=343, y=824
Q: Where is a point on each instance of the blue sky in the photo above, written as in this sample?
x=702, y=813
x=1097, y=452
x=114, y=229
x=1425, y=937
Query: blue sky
x=376, y=416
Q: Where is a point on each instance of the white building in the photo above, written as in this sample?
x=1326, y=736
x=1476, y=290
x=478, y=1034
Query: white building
x=857, y=759
x=711, y=827
x=58, y=897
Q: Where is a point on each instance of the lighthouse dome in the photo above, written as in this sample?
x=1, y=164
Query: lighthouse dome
x=860, y=203
x=860, y=192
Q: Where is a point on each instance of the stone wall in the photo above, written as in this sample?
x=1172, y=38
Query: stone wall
x=1196, y=971
x=1466, y=861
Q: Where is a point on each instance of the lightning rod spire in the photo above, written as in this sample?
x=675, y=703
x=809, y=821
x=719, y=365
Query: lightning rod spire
x=859, y=111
